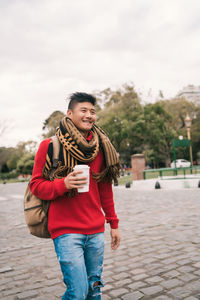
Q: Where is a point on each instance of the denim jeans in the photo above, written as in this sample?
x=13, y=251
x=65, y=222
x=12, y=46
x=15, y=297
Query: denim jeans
x=81, y=260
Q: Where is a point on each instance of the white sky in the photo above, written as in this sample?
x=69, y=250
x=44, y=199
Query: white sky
x=49, y=49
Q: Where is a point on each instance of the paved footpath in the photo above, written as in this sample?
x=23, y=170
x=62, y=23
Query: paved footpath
x=159, y=256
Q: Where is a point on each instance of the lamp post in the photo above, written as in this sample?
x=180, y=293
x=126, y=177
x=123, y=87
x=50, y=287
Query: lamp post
x=188, y=123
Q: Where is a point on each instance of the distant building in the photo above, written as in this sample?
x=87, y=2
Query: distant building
x=191, y=93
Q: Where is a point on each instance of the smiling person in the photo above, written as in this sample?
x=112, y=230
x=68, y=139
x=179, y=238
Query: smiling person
x=76, y=221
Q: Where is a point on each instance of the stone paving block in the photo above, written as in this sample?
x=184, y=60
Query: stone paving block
x=139, y=277
x=121, y=269
x=163, y=298
x=183, y=262
x=186, y=269
x=168, y=284
x=135, y=265
x=156, y=272
x=197, y=265
x=149, y=291
x=179, y=293
x=5, y=281
x=107, y=287
x=21, y=277
x=137, y=271
x=8, y=298
x=171, y=274
x=121, y=276
x=118, y=292
x=191, y=298
x=20, y=283
x=105, y=297
x=149, y=260
x=136, y=285
x=52, y=282
x=32, y=286
x=5, y=269
x=108, y=280
x=12, y=291
x=195, y=258
x=154, y=266
x=194, y=286
x=123, y=283
x=187, y=277
x=14, y=273
x=27, y=295
x=107, y=273
x=122, y=258
x=154, y=279
x=133, y=296
x=162, y=255
x=52, y=275
x=2, y=288
x=197, y=272
x=108, y=262
x=170, y=267
x=169, y=260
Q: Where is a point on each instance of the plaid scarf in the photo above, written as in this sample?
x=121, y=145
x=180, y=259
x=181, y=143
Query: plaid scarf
x=75, y=149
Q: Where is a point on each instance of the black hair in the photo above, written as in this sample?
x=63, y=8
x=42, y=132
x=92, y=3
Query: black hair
x=79, y=98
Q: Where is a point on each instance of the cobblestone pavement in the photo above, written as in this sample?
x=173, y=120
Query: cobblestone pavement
x=159, y=256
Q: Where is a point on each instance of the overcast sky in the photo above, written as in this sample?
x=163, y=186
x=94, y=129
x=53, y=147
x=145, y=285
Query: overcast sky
x=49, y=49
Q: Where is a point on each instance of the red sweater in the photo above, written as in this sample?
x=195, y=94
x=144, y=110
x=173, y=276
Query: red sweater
x=80, y=214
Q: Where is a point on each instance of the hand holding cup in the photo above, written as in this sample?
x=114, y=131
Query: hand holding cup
x=78, y=179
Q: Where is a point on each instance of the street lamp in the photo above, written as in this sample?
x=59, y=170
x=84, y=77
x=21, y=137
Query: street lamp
x=188, y=123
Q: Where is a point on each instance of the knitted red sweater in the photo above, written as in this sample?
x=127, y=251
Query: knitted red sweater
x=80, y=214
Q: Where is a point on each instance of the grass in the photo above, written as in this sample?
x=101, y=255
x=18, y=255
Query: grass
x=11, y=180
x=155, y=174
x=123, y=179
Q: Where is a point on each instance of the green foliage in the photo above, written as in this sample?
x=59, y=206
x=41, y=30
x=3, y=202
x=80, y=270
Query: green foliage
x=51, y=123
x=158, y=133
x=121, y=119
x=4, y=168
x=10, y=175
x=25, y=163
x=149, y=129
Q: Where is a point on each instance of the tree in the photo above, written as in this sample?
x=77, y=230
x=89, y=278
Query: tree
x=178, y=108
x=51, y=123
x=158, y=133
x=20, y=150
x=25, y=163
x=5, y=154
x=120, y=118
x=195, y=136
x=4, y=168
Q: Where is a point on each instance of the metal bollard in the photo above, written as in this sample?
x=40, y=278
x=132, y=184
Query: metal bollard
x=128, y=184
x=157, y=185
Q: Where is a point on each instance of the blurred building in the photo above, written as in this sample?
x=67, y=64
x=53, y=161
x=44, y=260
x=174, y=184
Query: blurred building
x=191, y=93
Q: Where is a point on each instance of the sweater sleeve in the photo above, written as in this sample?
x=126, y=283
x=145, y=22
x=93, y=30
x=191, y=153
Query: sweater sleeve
x=107, y=203
x=40, y=187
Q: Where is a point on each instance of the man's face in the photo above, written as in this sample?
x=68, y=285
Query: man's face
x=83, y=116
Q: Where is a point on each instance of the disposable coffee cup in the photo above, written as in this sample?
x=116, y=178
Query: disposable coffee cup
x=86, y=173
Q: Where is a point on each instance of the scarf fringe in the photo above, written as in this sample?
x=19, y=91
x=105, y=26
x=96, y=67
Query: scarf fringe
x=109, y=174
x=60, y=172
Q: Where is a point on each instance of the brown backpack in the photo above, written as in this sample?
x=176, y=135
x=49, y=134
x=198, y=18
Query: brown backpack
x=35, y=209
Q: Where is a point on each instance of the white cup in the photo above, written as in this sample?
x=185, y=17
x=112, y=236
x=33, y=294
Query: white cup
x=86, y=173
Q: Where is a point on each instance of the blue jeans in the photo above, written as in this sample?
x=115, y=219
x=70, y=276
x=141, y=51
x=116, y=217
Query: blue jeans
x=81, y=260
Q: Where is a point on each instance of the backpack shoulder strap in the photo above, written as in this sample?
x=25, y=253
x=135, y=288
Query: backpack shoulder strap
x=56, y=150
